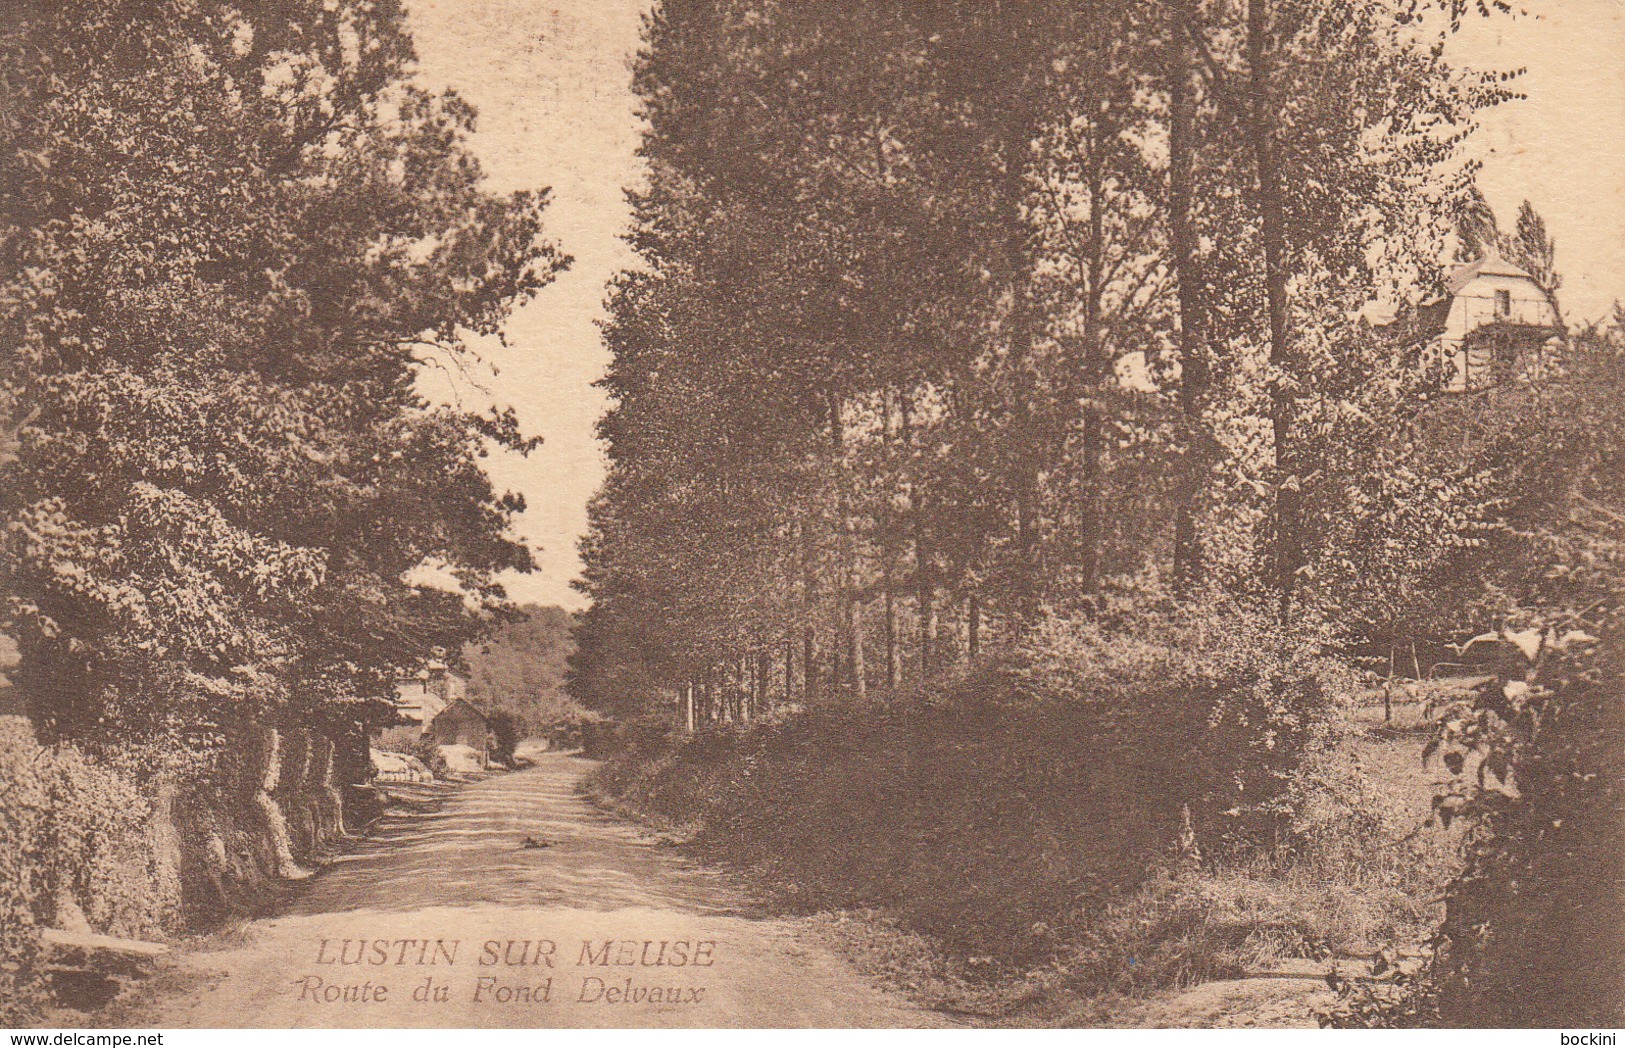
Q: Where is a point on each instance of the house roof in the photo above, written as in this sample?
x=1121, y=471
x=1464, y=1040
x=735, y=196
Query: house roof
x=463, y=708
x=1488, y=266
x=1431, y=317
x=415, y=702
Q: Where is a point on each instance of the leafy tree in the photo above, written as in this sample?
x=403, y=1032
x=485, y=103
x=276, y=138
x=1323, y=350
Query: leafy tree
x=235, y=235
x=506, y=731
x=1345, y=126
x=519, y=670
x=961, y=224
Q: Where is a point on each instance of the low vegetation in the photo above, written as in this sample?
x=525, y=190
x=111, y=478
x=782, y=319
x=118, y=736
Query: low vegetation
x=1001, y=845
x=77, y=850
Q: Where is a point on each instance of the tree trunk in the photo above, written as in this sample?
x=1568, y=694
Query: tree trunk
x=1015, y=142
x=809, y=664
x=928, y=629
x=1091, y=443
x=1026, y=596
x=888, y=559
x=1271, y=208
x=854, y=628
x=924, y=580
x=893, y=668
x=809, y=638
x=851, y=621
x=1183, y=242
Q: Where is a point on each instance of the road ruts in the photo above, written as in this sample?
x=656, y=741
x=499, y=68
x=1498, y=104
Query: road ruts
x=438, y=908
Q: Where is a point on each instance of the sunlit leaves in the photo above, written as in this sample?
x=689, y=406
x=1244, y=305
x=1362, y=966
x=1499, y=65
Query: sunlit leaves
x=239, y=232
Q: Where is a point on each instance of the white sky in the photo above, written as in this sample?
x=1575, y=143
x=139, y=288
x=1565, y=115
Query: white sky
x=550, y=79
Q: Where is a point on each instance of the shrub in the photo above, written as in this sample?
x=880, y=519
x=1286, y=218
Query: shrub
x=77, y=848
x=976, y=826
x=506, y=729
x=603, y=737
x=1531, y=929
x=427, y=750
x=1217, y=705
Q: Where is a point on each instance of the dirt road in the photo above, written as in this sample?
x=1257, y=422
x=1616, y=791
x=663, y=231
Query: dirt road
x=447, y=918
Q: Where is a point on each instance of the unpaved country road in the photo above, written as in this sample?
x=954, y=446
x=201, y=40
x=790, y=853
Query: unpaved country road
x=1262, y=1002
x=459, y=878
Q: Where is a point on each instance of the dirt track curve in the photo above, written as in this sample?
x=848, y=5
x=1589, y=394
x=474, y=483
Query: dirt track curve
x=462, y=925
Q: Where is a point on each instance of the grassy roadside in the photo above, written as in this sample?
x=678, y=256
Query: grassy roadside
x=991, y=865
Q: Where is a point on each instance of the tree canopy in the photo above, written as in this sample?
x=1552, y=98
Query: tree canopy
x=520, y=670
x=953, y=312
x=235, y=234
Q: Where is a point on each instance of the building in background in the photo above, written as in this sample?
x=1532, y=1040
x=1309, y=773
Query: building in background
x=419, y=699
x=1492, y=322
x=460, y=724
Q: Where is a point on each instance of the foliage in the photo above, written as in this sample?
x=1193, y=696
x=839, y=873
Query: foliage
x=991, y=299
x=505, y=735
x=519, y=671
x=75, y=845
x=1545, y=859
x=1012, y=835
x=1229, y=708
x=1520, y=943
x=234, y=237
x=427, y=750
x=965, y=823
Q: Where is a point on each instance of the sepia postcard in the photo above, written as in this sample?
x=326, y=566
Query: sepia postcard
x=880, y=514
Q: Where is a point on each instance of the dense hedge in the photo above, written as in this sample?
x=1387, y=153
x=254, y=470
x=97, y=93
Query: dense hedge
x=143, y=843
x=1221, y=706
x=80, y=846
x=976, y=826
x=997, y=819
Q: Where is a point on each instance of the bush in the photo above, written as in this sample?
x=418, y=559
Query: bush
x=427, y=750
x=1530, y=935
x=77, y=848
x=603, y=737
x=506, y=729
x=1219, y=708
x=975, y=827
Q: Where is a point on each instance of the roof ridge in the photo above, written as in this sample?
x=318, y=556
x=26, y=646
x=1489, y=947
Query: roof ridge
x=1491, y=263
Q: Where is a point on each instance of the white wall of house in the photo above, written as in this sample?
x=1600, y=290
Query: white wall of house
x=1486, y=299
x=1481, y=302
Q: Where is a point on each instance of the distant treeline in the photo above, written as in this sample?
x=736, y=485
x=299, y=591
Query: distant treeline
x=520, y=670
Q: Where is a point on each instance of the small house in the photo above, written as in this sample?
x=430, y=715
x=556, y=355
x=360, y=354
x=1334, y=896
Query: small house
x=420, y=698
x=1491, y=321
x=460, y=724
